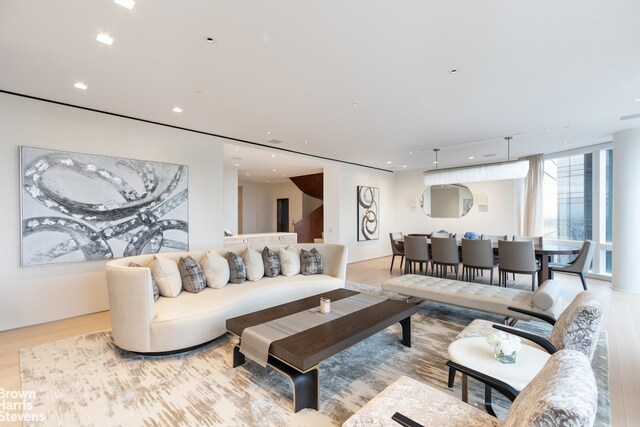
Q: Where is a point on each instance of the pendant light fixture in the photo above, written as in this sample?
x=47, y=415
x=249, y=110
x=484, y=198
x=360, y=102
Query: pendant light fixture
x=483, y=172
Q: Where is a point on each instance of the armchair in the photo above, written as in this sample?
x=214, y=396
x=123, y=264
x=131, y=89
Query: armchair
x=563, y=392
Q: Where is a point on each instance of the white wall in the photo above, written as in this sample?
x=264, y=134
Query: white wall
x=41, y=294
x=257, y=207
x=340, y=211
x=230, y=199
x=500, y=218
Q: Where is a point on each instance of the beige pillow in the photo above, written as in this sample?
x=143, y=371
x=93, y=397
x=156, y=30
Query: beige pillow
x=255, y=266
x=289, y=261
x=546, y=295
x=167, y=276
x=216, y=269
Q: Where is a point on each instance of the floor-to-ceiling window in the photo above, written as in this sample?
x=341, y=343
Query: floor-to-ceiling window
x=577, y=200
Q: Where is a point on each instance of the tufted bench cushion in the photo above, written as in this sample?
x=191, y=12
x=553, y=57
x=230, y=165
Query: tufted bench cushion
x=476, y=296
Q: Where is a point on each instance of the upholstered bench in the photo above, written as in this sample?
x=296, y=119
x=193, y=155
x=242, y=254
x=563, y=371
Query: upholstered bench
x=492, y=299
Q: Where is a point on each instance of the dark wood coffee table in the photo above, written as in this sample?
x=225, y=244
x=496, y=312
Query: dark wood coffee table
x=299, y=355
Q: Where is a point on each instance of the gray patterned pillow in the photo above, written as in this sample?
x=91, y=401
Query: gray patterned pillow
x=311, y=262
x=271, y=262
x=237, y=269
x=154, y=284
x=192, y=276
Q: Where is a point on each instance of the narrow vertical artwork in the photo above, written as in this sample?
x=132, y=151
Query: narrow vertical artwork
x=368, y=213
x=83, y=207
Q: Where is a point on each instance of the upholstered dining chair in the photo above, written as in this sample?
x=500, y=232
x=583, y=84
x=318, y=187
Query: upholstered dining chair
x=564, y=392
x=494, y=237
x=580, y=265
x=416, y=250
x=517, y=257
x=477, y=255
x=537, y=240
x=397, y=248
x=444, y=253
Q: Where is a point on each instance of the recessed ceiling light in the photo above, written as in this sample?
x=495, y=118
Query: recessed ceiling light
x=453, y=70
x=566, y=142
x=268, y=132
x=284, y=176
x=236, y=164
x=274, y=170
x=198, y=92
x=104, y=38
x=177, y=110
x=636, y=100
x=404, y=166
x=247, y=174
x=209, y=39
x=355, y=104
x=567, y=127
x=389, y=163
x=306, y=142
x=267, y=180
x=435, y=163
x=237, y=149
x=547, y=130
x=471, y=157
x=273, y=155
x=125, y=3
x=411, y=152
x=80, y=85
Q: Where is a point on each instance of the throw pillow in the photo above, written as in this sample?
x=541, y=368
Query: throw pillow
x=216, y=269
x=289, y=261
x=154, y=284
x=253, y=262
x=237, y=270
x=192, y=276
x=167, y=276
x=310, y=262
x=271, y=262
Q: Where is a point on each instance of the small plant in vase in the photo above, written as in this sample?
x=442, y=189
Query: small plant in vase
x=504, y=346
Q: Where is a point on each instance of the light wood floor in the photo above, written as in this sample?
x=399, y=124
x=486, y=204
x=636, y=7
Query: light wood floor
x=622, y=321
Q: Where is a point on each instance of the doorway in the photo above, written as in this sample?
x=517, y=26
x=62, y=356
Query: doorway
x=283, y=216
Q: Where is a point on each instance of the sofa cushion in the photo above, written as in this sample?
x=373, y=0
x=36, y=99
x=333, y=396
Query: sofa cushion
x=154, y=284
x=253, y=263
x=191, y=274
x=310, y=262
x=167, y=276
x=271, y=261
x=237, y=269
x=289, y=261
x=546, y=295
x=216, y=269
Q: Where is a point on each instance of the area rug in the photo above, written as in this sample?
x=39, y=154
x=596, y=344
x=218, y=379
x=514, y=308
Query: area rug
x=86, y=380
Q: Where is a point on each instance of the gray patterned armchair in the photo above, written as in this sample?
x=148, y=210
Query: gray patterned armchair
x=564, y=393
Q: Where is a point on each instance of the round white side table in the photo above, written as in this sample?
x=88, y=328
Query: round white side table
x=476, y=354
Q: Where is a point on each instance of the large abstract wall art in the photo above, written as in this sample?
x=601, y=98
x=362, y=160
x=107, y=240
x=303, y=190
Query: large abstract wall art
x=368, y=213
x=83, y=207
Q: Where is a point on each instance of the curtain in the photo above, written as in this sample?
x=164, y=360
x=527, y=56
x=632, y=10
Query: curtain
x=533, y=183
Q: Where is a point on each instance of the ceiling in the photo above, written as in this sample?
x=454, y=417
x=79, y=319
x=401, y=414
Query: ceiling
x=363, y=81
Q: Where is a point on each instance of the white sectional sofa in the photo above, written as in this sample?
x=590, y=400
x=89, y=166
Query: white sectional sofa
x=139, y=324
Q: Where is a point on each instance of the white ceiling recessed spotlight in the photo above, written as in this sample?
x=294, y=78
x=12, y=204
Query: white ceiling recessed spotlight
x=247, y=174
x=306, y=142
x=566, y=142
x=355, y=104
x=273, y=155
x=104, y=38
x=177, y=110
x=209, y=39
x=128, y=4
x=636, y=100
x=547, y=130
x=274, y=170
x=268, y=132
x=198, y=92
x=389, y=162
x=404, y=166
x=411, y=153
x=80, y=85
x=471, y=157
x=236, y=164
x=237, y=149
x=453, y=71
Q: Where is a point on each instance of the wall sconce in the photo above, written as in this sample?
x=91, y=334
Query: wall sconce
x=482, y=201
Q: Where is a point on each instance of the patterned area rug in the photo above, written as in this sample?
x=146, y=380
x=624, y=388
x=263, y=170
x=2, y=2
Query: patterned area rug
x=86, y=380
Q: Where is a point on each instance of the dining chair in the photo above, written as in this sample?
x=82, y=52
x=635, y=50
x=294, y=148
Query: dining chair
x=441, y=233
x=397, y=248
x=537, y=240
x=494, y=237
x=517, y=257
x=444, y=253
x=580, y=265
x=477, y=255
x=416, y=250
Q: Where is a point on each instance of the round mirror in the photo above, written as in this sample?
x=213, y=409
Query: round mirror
x=446, y=201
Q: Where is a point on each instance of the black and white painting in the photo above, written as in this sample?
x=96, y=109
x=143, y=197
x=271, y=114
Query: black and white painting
x=368, y=213
x=83, y=207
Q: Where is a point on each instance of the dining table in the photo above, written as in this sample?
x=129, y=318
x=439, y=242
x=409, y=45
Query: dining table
x=543, y=254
